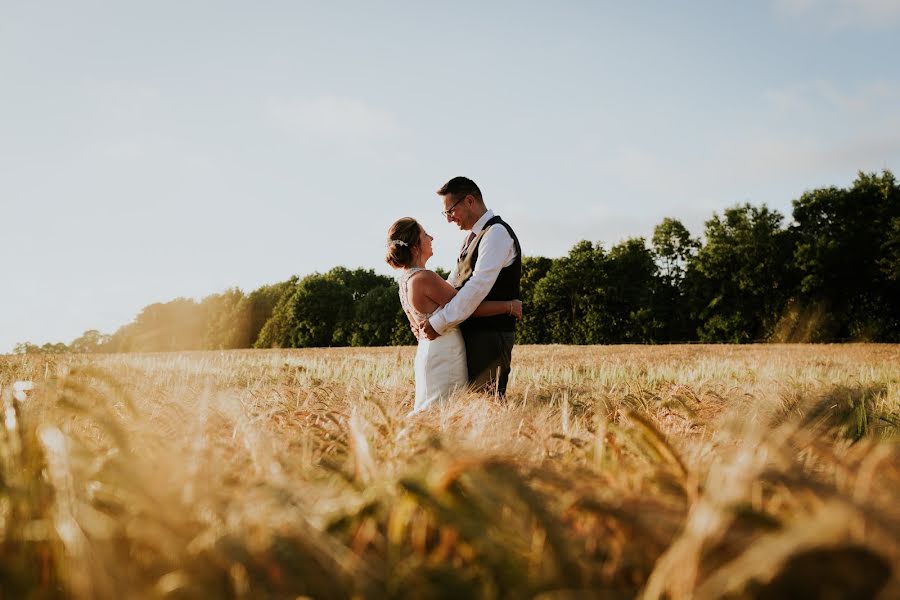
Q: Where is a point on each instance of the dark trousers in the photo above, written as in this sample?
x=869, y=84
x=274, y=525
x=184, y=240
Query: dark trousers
x=488, y=358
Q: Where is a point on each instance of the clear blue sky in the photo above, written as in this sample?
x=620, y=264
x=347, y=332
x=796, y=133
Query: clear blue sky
x=176, y=148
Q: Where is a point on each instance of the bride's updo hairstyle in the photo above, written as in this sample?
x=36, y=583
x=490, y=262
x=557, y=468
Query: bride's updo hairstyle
x=403, y=236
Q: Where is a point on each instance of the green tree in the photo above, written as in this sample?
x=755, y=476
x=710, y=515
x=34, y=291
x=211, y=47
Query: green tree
x=175, y=325
x=674, y=251
x=627, y=297
x=255, y=309
x=845, y=240
x=277, y=331
x=358, y=282
x=26, y=348
x=890, y=259
x=567, y=297
x=220, y=315
x=744, y=276
x=379, y=319
x=375, y=309
x=532, y=329
x=322, y=309
x=54, y=348
x=89, y=342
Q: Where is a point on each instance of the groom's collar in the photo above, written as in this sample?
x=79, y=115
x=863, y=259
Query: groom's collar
x=479, y=224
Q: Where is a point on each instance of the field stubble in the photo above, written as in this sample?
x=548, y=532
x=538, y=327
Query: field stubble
x=609, y=472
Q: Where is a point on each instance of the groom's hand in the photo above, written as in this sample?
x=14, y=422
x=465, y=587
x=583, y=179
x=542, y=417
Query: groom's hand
x=427, y=331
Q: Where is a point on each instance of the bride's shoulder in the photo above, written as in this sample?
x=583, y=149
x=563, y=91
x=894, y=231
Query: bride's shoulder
x=422, y=277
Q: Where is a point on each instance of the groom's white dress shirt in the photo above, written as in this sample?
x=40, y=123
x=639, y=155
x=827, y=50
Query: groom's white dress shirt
x=495, y=252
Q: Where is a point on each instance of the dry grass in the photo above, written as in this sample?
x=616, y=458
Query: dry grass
x=610, y=472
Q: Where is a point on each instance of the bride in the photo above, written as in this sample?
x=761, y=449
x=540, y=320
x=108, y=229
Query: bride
x=441, y=363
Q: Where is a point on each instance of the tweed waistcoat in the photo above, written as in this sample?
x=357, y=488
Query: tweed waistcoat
x=505, y=288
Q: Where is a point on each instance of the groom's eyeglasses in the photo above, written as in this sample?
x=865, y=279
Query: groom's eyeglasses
x=449, y=212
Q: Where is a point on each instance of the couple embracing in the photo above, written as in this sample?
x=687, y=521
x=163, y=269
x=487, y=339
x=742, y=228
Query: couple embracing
x=466, y=324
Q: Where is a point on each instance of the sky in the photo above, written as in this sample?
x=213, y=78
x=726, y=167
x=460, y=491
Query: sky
x=154, y=150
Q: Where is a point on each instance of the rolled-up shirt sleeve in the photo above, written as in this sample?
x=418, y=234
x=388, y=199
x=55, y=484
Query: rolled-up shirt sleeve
x=495, y=251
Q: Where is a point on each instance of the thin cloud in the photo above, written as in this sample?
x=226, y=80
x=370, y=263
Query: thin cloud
x=808, y=133
x=124, y=100
x=736, y=167
x=842, y=14
x=819, y=96
x=821, y=124
x=332, y=116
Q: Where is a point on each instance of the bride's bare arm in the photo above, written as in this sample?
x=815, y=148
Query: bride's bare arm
x=440, y=292
x=489, y=308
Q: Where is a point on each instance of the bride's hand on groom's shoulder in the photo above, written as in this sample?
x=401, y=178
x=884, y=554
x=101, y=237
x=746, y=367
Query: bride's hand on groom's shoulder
x=516, y=308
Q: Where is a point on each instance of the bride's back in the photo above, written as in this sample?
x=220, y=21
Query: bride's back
x=415, y=284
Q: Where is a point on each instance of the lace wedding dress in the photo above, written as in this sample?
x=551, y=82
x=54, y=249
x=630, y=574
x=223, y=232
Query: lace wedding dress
x=440, y=364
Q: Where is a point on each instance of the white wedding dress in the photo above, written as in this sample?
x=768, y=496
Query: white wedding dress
x=440, y=364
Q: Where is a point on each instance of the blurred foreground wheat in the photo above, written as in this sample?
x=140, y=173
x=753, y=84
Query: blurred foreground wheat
x=610, y=472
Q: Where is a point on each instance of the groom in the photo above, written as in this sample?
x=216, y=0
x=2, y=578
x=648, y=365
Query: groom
x=489, y=267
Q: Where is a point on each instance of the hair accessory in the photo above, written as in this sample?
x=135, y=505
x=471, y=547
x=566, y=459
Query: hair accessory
x=397, y=243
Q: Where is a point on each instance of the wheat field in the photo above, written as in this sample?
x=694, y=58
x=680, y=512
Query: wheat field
x=767, y=471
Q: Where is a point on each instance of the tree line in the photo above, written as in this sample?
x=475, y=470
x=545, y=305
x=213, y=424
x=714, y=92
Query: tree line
x=831, y=273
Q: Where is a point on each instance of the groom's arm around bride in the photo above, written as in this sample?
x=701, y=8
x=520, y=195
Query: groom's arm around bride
x=489, y=267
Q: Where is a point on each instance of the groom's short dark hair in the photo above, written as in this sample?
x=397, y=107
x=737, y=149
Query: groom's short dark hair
x=459, y=188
